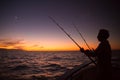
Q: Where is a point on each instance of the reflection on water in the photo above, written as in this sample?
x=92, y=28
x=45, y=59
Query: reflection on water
x=29, y=65
x=37, y=65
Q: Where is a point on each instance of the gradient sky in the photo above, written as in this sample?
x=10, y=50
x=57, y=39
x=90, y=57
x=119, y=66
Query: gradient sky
x=24, y=24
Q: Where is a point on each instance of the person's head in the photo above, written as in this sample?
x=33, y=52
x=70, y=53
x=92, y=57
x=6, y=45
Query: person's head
x=103, y=35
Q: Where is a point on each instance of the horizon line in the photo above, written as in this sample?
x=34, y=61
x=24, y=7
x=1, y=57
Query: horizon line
x=44, y=50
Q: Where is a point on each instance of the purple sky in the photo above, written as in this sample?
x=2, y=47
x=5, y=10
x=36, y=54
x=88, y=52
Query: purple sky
x=28, y=20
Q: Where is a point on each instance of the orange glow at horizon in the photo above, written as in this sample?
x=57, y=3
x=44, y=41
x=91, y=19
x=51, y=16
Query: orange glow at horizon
x=48, y=45
x=45, y=46
x=51, y=47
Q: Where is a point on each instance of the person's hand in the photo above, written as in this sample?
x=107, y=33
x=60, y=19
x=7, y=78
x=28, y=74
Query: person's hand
x=82, y=50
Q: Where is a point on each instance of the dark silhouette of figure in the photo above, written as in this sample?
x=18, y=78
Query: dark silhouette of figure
x=103, y=56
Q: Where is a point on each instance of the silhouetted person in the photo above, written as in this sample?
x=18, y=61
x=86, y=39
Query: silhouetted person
x=103, y=55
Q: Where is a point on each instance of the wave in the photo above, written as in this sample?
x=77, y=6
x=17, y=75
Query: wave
x=54, y=67
x=20, y=67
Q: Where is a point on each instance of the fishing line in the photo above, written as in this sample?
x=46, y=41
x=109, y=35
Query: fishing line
x=70, y=38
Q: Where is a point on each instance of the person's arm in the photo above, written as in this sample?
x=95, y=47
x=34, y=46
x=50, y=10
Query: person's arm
x=88, y=52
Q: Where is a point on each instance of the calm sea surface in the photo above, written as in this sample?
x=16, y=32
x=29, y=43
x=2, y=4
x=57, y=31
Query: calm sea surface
x=20, y=65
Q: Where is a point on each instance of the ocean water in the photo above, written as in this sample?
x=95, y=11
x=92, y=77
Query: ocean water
x=21, y=65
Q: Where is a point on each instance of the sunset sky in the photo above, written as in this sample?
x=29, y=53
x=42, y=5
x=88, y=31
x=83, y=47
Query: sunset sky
x=24, y=24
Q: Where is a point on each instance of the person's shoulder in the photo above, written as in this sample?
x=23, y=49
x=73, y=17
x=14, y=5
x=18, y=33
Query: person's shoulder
x=104, y=42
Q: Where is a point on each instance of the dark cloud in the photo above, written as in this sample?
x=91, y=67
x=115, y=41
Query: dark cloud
x=19, y=47
x=37, y=46
x=9, y=42
x=16, y=44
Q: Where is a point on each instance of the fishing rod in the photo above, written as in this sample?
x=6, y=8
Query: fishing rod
x=81, y=36
x=71, y=38
x=65, y=32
